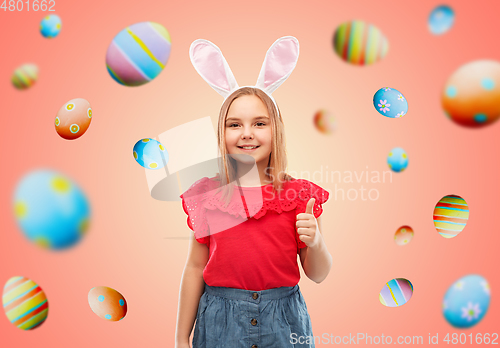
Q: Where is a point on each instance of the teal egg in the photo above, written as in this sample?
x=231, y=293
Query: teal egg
x=150, y=154
x=397, y=160
x=50, y=209
x=50, y=26
x=467, y=301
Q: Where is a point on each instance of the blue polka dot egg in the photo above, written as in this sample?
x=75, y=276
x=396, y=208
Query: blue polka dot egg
x=50, y=26
x=150, y=154
x=397, y=160
x=390, y=102
x=467, y=301
x=107, y=303
x=51, y=210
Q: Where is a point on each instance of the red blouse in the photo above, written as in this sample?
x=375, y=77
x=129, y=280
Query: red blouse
x=253, y=242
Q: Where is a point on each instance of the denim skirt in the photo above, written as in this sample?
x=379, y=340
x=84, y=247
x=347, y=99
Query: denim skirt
x=238, y=318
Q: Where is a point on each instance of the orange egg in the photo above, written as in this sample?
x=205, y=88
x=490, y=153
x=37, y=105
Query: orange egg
x=73, y=119
x=107, y=303
x=403, y=235
x=471, y=96
x=324, y=122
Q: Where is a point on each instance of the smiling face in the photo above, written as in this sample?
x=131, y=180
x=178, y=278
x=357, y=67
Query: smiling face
x=248, y=123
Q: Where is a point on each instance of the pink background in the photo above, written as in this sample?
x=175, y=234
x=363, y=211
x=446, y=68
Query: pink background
x=130, y=245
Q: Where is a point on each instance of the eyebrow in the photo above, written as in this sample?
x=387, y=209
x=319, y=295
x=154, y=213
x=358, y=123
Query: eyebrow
x=255, y=118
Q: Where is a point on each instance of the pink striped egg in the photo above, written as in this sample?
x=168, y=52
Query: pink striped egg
x=138, y=53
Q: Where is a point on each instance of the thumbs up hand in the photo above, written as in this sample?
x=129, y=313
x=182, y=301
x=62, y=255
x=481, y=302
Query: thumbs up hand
x=307, y=226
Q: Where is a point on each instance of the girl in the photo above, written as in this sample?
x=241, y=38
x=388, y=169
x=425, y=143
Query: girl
x=241, y=277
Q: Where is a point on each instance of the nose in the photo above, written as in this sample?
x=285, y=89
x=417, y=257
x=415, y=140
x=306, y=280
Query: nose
x=247, y=133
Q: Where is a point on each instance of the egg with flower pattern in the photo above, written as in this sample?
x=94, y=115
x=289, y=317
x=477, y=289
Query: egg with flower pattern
x=390, y=102
x=107, y=303
x=73, y=119
x=466, y=302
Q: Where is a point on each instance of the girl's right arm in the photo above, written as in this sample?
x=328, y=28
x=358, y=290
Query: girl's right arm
x=192, y=287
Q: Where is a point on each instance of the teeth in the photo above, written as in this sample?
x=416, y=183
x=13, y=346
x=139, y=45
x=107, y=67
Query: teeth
x=249, y=147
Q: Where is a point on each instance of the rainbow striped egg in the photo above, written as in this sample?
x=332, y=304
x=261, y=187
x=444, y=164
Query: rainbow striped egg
x=138, y=53
x=360, y=43
x=25, y=76
x=450, y=215
x=396, y=292
x=24, y=303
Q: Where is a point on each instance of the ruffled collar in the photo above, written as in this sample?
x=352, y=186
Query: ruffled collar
x=257, y=201
x=250, y=202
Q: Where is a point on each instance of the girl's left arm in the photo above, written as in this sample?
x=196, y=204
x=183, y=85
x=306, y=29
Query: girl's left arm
x=315, y=258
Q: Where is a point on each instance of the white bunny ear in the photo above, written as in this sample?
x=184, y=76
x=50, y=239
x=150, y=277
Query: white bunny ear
x=209, y=62
x=281, y=59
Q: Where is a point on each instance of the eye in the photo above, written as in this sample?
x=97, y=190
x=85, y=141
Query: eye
x=262, y=123
x=232, y=124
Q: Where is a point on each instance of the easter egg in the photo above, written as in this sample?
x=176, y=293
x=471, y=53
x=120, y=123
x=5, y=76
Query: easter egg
x=466, y=301
x=471, y=96
x=397, y=160
x=390, y=102
x=324, y=121
x=441, y=19
x=150, y=154
x=450, y=215
x=25, y=76
x=73, y=119
x=50, y=26
x=107, y=303
x=359, y=43
x=396, y=292
x=24, y=303
x=403, y=235
x=138, y=53
x=51, y=210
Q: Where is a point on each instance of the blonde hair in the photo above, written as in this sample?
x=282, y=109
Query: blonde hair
x=276, y=167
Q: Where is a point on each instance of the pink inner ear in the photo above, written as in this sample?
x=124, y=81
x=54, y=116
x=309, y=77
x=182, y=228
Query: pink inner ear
x=280, y=61
x=210, y=64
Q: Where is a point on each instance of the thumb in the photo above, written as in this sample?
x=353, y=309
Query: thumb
x=310, y=205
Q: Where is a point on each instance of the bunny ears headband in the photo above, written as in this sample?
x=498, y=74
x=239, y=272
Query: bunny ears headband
x=280, y=60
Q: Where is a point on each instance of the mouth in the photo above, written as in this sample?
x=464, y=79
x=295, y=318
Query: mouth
x=248, y=148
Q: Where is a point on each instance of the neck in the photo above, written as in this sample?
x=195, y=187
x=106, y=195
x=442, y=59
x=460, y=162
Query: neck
x=252, y=175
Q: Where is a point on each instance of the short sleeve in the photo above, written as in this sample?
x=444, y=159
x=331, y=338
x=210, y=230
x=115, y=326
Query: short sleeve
x=192, y=203
x=306, y=191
